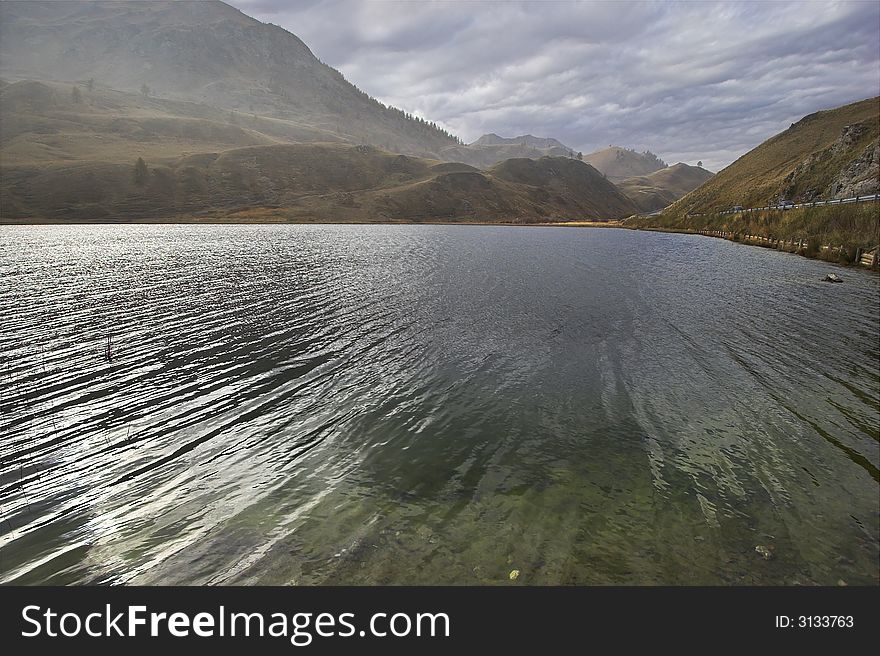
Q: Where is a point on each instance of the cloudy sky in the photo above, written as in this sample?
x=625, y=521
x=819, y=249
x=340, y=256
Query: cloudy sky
x=689, y=81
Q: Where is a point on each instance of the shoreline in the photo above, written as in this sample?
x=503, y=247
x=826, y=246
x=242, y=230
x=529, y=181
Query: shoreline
x=611, y=223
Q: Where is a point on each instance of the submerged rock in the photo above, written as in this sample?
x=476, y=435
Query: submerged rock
x=765, y=552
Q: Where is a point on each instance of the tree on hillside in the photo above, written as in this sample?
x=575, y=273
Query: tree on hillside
x=580, y=156
x=145, y=90
x=700, y=163
x=140, y=172
x=76, y=95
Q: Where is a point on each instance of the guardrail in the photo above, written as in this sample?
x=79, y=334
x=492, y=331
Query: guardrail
x=864, y=257
x=871, y=198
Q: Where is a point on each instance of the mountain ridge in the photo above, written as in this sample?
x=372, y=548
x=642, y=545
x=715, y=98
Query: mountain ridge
x=529, y=140
x=206, y=52
x=491, y=149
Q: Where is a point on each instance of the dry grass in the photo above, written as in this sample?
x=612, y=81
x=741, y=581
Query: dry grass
x=851, y=226
x=800, y=163
x=587, y=224
x=762, y=175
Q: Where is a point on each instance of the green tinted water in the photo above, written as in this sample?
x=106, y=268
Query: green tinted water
x=437, y=404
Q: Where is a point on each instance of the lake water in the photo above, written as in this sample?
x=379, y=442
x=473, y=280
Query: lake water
x=432, y=404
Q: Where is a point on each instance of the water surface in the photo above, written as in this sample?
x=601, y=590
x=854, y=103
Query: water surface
x=432, y=404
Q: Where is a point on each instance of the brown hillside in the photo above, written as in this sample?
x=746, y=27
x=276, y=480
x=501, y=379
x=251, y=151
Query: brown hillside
x=661, y=188
x=565, y=181
x=832, y=153
x=307, y=182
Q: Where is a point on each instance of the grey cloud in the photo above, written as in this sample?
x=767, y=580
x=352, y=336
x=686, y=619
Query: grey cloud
x=688, y=81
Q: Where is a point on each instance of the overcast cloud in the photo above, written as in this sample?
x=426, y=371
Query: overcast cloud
x=688, y=81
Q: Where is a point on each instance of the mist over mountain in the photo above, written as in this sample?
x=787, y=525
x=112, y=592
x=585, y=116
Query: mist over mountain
x=74, y=154
x=493, y=139
x=621, y=163
x=205, y=52
x=490, y=149
x=91, y=88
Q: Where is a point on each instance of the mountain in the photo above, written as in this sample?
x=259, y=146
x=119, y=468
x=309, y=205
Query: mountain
x=661, y=188
x=829, y=154
x=180, y=111
x=73, y=157
x=619, y=164
x=203, y=52
x=490, y=149
x=311, y=182
x=524, y=140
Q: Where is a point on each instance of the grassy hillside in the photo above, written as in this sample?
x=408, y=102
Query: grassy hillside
x=307, y=182
x=565, y=183
x=828, y=154
x=661, y=188
x=851, y=226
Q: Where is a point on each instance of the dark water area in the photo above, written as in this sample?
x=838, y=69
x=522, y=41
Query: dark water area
x=432, y=404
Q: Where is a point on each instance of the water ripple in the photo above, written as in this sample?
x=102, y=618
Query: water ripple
x=406, y=404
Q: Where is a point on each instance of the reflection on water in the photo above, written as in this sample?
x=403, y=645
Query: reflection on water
x=404, y=404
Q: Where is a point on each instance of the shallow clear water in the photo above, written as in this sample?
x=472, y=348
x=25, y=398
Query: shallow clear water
x=432, y=404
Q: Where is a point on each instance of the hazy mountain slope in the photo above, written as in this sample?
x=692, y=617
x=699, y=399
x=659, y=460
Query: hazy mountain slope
x=661, y=188
x=618, y=164
x=832, y=153
x=46, y=124
x=308, y=182
x=490, y=149
x=219, y=106
x=493, y=139
x=564, y=182
x=206, y=52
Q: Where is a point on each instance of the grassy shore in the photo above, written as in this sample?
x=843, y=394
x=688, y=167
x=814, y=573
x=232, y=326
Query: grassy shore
x=843, y=228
